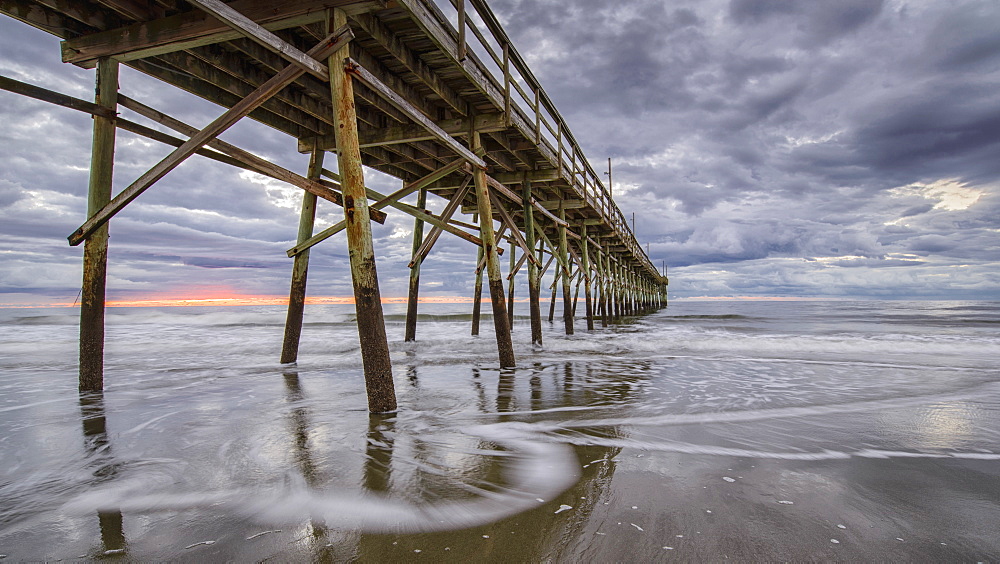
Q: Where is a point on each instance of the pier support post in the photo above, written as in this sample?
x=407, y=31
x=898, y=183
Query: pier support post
x=585, y=258
x=555, y=286
x=505, y=347
x=564, y=260
x=300, y=266
x=533, y=277
x=477, y=296
x=367, y=298
x=510, y=285
x=576, y=292
x=619, y=309
x=415, y=260
x=602, y=265
x=95, y=250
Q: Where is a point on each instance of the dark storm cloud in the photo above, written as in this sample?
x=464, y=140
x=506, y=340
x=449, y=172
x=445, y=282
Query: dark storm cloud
x=818, y=21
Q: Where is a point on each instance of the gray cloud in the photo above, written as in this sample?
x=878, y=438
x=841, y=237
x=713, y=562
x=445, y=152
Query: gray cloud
x=767, y=147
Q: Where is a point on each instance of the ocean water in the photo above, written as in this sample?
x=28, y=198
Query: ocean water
x=709, y=430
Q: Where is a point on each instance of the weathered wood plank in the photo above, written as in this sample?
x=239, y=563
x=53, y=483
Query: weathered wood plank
x=195, y=28
x=43, y=18
x=265, y=38
x=411, y=61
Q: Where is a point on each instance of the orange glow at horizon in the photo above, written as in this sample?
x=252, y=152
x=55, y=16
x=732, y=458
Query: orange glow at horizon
x=245, y=300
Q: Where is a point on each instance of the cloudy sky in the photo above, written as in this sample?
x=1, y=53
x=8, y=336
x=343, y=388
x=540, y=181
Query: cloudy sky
x=831, y=148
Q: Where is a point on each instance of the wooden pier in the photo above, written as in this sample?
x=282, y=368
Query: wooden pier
x=432, y=93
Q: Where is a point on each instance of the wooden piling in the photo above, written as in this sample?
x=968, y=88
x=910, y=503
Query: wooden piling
x=477, y=294
x=505, y=347
x=415, y=261
x=576, y=293
x=510, y=285
x=95, y=251
x=564, y=258
x=300, y=266
x=367, y=299
x=602, y=264
x=555, y=284
x=616, y=292
x=585, y=259
x=533, y=274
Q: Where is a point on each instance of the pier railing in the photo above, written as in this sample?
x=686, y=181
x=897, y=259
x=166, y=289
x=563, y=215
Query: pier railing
x=480, y=37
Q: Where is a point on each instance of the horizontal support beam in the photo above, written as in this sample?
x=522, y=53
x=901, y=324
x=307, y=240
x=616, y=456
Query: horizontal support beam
x=371, y=81
x=265, y=38
x=566, y=204
x=506, y=178
x=196, y=28
x=408, y=133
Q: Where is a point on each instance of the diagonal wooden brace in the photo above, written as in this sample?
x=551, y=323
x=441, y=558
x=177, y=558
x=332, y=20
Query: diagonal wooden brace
x=287, y=75
x=515, y=232
x=449, y=210
x=249, y=159
x=381, y=202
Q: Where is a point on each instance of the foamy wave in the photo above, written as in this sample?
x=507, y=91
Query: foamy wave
x=534, y=471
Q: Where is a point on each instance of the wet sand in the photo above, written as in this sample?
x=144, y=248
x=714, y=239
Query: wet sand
x=671, y=491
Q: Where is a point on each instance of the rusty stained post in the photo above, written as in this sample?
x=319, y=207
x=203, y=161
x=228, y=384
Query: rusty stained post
x=300, y=266
x=505, y=347
x=533, y=277
x=564, y=259
x=95, y=250
x=510, y=285
x=411, y=300
x=367, y=299
x=585, y=258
